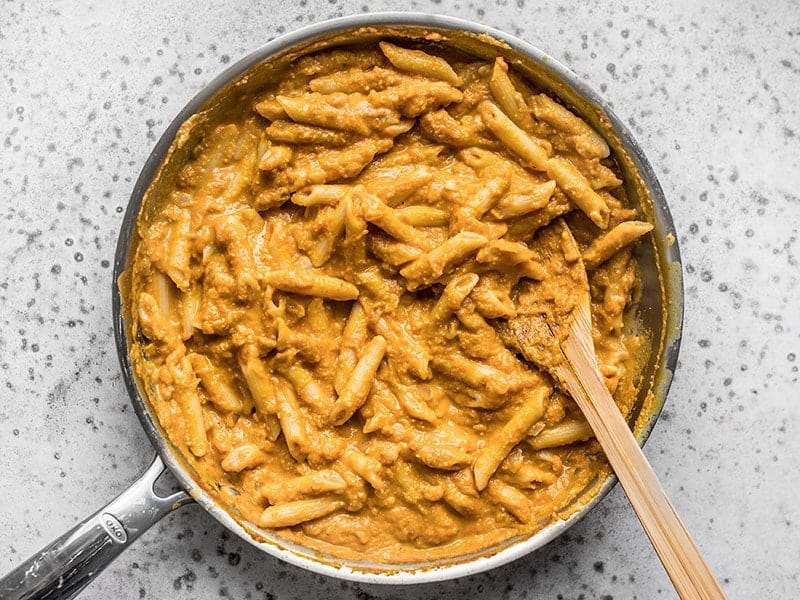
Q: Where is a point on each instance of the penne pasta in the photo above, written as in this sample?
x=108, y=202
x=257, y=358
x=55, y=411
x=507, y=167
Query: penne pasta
x=299, y=511
x=604, y=247
x=412, y=402
x=359, y=383
x=314, y=109
x=420, y=63
x=423, y=216
x=191, y=407
x=233, y=235
x=453, y=296
x=313, y=483
x=292, y=421
x=288, y=132
x=322, y=249
x=258, y=381
x=474, y=374
x=393, y=253
x=577, y=189
x=396, y=184
x=503, y=254
x=586, y=140
x=366, y=467
x=378, y=213
x=243, y=457
x=308, y=388
x=510, y=498
x=215, y=382
x=507, y=97
x=309, y=282
x=430, y=266
x=563, y=434
x=190, y=305
x=164, y=293
x=513, y=432
x=354, y=337
x=403, y=349
x=517, y=205
x=533, y=151
x=329, y=194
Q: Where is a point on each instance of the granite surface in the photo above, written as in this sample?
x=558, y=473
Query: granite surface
x=710, y=89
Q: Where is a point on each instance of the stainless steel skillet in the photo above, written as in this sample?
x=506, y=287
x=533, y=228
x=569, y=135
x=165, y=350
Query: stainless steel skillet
x=67, y=565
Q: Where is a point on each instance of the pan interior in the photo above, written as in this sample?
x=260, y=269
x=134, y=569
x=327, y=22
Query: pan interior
x=658, y=312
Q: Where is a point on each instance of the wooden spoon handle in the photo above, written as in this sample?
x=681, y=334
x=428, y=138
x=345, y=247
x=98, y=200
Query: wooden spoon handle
x=678, y=552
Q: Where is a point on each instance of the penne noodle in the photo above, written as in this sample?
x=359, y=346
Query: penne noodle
x=258, y=381
x=190, y=305
x=313, y=483
x=403, y=349
x=393, y=253
x=215, y=383
x=310, y=282
x=243, y=457
x=379, y=214
x=476, y=375
x=358, y=385
x=420, y=63
x=308, y=388
x=354, y=337
x=233, y=235
x=513, y=432
x=356, y=81
x=493, y=303
x=334, y=228
x=292, y=422
x=453, y=296
x=563, y=434
x=189, y=402
x=577, y=189
x=164, y=293
x=412, y=402
x=423, y=216
x=533, y=151
x=366, y=467
x=463, y=504
x=348, y=113
x=517, y=205
x=490, y=193
x=178, y=247
x=430, y=266
x=275, y=157
x=271, y=109
x=152, y=321
x=510, y=498
x=299, y=511
x=604, y=247
x=507, y=97
x=394, y=185
x=288, y=132
x=325, y=194
x=503, y=254
x=586, y=140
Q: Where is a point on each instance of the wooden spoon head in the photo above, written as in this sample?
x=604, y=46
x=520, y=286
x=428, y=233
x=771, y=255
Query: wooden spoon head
x=546, y=309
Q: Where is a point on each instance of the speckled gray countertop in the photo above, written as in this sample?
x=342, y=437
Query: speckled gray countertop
x=711, y=90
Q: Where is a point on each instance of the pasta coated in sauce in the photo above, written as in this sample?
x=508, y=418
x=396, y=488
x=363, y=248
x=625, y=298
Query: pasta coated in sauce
x=315, y=304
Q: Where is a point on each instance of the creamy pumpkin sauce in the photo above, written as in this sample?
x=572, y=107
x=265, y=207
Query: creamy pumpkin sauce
x=317, y=305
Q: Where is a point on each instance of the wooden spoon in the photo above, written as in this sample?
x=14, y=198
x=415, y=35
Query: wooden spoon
x=553, y=329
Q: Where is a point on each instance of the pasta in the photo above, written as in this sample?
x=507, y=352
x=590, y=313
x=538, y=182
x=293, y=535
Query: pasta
x=319, y=302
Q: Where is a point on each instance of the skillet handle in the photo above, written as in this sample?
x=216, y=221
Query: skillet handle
x=62, y=569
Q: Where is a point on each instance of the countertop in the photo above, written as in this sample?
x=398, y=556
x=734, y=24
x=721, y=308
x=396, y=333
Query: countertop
x=709, y=88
